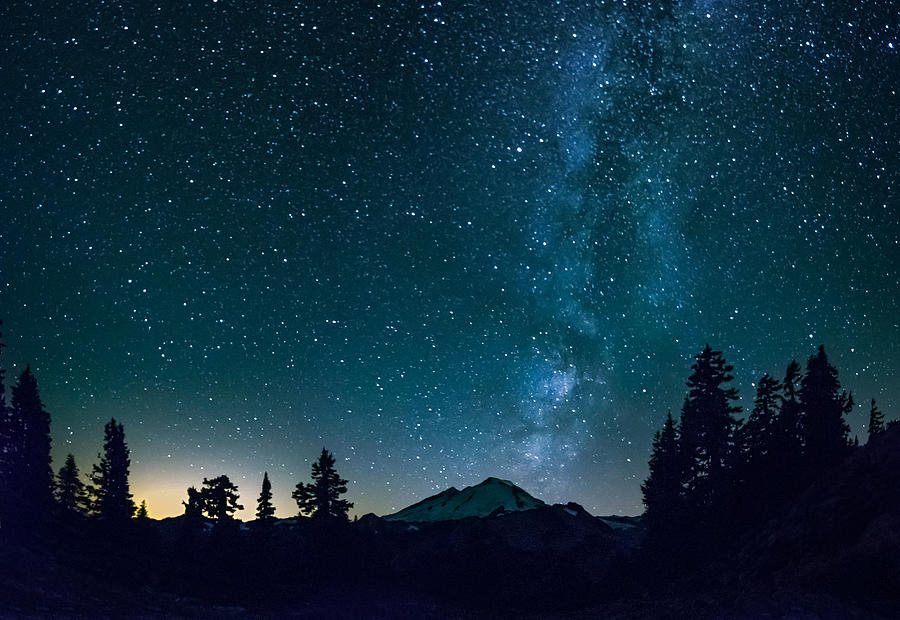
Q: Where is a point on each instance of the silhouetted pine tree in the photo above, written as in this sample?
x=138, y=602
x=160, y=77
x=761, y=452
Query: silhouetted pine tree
x=35, y=477
x=110, y=476
x=265, y=511
x=69, y=487
x=758, y=434
x=10, y=444
x=142, y=513
x=823, y=406
x=321, y=498
x=91, y=493
x=219, y=497
x=193, y=507
x=757, y=469
x=662, y=490
x=787, y=444
x=876, y=421
x=707, y=438
x=789, y=431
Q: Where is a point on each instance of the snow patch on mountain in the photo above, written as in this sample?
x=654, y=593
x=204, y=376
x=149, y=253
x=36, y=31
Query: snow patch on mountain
x=480, y=500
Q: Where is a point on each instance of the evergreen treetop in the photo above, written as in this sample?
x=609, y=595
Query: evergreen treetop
x=219, y=498
x=707, y=429
x=876, y=420
x=9, y=437
x=759, y=433
x=69, y=487
x=193, y=507
x=321, y=498
x=787, y=444
x=142, y=512
x=823, y=407
x=110, y=476
x=265, y=511
x=662, y=489
x=35, y=477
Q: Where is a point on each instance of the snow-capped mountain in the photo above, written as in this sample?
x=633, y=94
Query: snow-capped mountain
x=480, y=500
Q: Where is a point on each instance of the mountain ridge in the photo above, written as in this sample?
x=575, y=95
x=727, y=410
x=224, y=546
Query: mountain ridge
x=480, y=500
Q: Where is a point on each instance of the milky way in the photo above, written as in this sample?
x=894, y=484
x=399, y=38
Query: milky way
x=444, y=241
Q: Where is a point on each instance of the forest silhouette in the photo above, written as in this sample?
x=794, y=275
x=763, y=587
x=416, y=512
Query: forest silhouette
x=720, y=489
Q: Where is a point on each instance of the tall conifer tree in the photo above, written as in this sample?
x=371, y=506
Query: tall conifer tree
x=707, y=435
x=823, y=406
x=35, y=478
x=758, y=435
x=321, y=498
x=69, y=487
x=758, y=477
x=110, y=476
x=789, y=432
x=662, y=489
x=193, y=507
x=220, y=497
x=876, y=421
x=10, y=441
x=142, y=512
x=265, y=511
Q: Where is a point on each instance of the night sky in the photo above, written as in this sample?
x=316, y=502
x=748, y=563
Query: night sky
x=445, y=240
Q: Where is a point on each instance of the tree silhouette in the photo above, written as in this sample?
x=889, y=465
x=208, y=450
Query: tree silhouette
x=662, y=489
x=265, y=511
x=788, y=437
x=92, y=489
x=69, y=487
x=758, y=435
x=10, y=441
x=757, y=468
x=193, y=507
x=876, y=421
x=707, y=436
x=142, y=512
x=823, y=407
x=219, y=498
x=110, y=476
x=35, y=477
x=321, y=498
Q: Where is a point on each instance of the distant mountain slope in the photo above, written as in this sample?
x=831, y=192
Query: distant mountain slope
x=480, y=500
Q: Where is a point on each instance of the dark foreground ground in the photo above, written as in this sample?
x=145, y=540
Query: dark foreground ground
x=833, y=551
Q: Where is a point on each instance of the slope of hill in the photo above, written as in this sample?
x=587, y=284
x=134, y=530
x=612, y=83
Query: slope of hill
x=480, y=500
x=842, y=534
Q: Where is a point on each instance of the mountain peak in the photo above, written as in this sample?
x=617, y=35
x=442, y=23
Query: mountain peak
x=480, y=500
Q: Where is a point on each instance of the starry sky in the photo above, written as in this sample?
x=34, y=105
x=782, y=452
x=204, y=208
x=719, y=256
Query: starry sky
x=446, y=240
